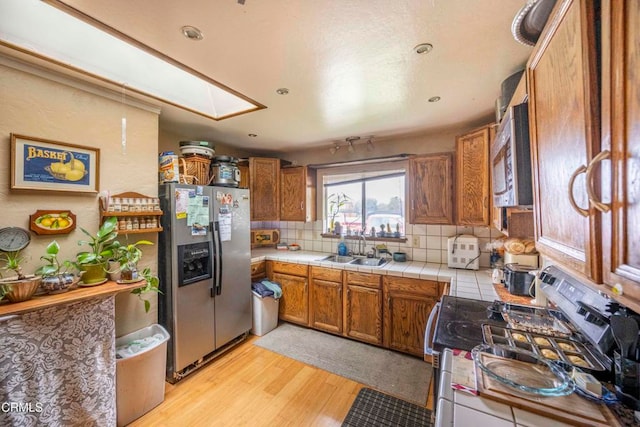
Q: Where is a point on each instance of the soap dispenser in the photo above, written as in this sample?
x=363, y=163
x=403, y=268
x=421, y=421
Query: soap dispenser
x=342, y=247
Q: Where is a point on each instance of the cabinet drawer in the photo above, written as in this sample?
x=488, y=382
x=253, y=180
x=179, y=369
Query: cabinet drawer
x=364, y=279
x=289, y=268
x=329, y=274
x=423, y=287
x=258, y=268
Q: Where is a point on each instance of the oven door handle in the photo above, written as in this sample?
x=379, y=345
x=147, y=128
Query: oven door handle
x=427, y=331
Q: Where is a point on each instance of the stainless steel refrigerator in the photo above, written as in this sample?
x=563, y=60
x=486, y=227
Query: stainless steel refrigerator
x=204, y=262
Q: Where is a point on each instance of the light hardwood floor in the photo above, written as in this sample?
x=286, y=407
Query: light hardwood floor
x=251, y=386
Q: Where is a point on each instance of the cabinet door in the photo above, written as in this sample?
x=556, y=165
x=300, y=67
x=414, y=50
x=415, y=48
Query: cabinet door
x=297, y=194
x=621, y=127
x=405, y=319
x=431, y=189
x=258, y=270
x=363, y=314
x=264, y=179
x=294, y=304
x=472, y=178
x=564, y=129
x=326, y=305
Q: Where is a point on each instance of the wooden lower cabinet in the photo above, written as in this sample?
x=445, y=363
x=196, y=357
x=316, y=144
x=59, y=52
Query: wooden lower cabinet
x=363, y=307
x=325, y=303
x=407, y=304
x=386, y=311
x=258, y=270
x=294, y=281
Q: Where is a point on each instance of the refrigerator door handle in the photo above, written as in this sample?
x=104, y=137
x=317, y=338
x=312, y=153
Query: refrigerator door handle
x=214, y=260
x=219, y=258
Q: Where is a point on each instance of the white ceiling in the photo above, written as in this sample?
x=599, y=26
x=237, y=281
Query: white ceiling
x=349, y=64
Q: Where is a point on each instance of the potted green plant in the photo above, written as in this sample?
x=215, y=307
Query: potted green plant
x=127, y=256
x=152, y=283
x=336, y=202
x=56, y=277
x=93, y=263
x=21, y=287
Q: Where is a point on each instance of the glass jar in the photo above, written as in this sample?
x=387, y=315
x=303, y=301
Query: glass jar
x=115, y=204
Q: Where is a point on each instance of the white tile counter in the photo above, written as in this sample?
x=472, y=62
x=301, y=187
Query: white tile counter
x=463, y=283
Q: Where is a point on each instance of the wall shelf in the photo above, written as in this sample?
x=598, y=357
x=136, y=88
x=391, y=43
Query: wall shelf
x=130, y=195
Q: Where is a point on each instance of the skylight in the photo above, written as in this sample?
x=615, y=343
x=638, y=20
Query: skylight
x=43, y=30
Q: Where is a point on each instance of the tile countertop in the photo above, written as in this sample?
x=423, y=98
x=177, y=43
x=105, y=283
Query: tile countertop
x=463, y=283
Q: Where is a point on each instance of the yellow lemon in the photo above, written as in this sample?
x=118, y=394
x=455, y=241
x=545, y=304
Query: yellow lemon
x=55, y=167
x=63, y=222
x=46, y=222
x=76, y=164
x=74, y=175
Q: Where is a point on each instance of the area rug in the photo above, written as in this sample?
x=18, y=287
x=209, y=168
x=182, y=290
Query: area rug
x=397, y=374
x=374, y=409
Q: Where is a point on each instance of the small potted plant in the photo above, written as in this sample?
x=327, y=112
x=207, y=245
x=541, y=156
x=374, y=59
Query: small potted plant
x=93, y=263
x=55, y=275
x=127, y=256
x=151, y=285
x=21, y=287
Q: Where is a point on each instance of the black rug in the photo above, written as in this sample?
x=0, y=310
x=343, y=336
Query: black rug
x=374, y=409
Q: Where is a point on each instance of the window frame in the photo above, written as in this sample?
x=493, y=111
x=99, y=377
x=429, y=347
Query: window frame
x=399, y=165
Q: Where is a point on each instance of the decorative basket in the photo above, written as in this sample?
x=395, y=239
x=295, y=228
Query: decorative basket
x=194, y=170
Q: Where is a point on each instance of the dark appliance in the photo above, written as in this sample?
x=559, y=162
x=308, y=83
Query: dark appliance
x=511, y=160
x=459, y=322
x=518, y=281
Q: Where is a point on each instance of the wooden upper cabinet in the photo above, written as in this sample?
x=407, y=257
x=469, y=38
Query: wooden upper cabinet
x=621, y=137
x=298, y=194
x=564, y=130
x=472, y=178
x=264, y=176
x=431, y=189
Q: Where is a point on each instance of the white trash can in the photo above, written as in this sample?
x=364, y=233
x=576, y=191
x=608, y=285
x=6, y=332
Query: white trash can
x=265, y=314
x=141, y=359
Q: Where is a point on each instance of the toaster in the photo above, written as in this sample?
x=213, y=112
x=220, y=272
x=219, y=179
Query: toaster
x=518, y=280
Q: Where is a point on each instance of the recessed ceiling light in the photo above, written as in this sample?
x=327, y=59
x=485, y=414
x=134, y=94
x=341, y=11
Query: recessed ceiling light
x=434, y=99
x=252, y=135
x=282, y=91
x=423, y=48
x=192, y=33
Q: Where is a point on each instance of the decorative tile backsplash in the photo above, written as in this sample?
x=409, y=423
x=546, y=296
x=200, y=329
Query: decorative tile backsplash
x=427, y=243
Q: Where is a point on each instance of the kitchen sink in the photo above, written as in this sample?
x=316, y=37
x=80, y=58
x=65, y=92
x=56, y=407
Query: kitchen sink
x=342, y=259
x=371, y=262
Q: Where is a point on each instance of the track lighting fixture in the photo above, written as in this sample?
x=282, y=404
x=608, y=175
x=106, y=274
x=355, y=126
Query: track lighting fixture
x=351, y=148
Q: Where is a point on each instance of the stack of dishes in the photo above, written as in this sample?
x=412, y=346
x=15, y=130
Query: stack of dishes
x=199, y=148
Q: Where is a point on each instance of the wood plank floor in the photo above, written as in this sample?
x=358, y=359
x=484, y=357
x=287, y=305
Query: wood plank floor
x=251, y=386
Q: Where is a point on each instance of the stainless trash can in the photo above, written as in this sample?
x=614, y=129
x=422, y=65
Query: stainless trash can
x=141, y=358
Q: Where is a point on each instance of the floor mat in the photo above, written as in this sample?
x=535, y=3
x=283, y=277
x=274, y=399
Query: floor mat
x=374, y=409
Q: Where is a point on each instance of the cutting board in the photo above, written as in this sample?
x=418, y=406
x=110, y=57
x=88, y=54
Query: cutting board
x=570, y=409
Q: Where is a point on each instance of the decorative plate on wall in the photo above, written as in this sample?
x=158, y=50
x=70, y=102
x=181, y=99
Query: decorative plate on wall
x=52, y=222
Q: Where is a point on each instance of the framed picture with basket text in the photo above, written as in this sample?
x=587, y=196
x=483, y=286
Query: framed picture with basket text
x=44, y=165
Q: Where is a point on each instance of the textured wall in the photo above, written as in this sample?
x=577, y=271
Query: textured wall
x=38, y=106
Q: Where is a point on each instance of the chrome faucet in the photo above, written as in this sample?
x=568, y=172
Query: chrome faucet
x=364, y=244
